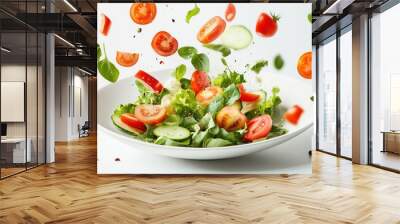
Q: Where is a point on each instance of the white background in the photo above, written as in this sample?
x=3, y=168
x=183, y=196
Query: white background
x=292, y=39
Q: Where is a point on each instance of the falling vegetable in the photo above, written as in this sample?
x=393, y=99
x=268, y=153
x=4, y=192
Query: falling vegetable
x=258, y=66
x=267, y=25
x=143, y=13
x=107, y=69
x=304, y=65
x=191, y=13
x=219, y=47
x=211, y=30
x=230, y=12
x=278, y=62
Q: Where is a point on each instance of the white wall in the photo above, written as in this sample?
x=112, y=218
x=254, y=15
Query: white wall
x=70, y=84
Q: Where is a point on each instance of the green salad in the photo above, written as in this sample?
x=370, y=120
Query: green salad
x=201, y=112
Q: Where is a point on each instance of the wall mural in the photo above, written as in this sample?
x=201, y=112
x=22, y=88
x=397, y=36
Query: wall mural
x=206, y=88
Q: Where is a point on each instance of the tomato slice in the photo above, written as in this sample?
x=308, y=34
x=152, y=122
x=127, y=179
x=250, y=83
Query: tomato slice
x=207, y=95
x=164, y=44
x=266, y=25
x=150, y=114
x=211, y=30
x=126, y=59
x=247, y=96
x=149, y=81
x=258, y=127
x=105, y=24
x=230, y=12
x=293, y=114
x=130, y=120
x=231, y=119
x=304, y=65
x=143, y=13
x=199, y=81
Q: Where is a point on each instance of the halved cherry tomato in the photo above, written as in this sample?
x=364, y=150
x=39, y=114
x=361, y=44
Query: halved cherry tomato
x=247, y=96
x=231, y=119
x=207, y=95
x=259, y=127
x=130, y=120
x=267, y=25
x=211, y=30
x=105, y=24
x=126, y=59
x=199, y=81
x=304, y=65
x=143, y=13
x=293, y=114
x=150, y=114
x=230, y=12
x=149, y=81
x=164, y=44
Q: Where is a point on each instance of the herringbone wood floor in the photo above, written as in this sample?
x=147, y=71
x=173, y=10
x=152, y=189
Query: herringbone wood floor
x=69, y=191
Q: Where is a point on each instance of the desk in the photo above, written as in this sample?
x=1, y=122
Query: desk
x=15, y=148
x=391, y=141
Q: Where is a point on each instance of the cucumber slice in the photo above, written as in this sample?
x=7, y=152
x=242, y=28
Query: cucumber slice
x=124, y=127
x=172, y=132
x=237, y=37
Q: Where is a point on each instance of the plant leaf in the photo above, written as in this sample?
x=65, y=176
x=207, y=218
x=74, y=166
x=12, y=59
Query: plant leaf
x=219, y=47
x=278, y=62
x=259, y=66
x=201, y=62
x=192, y=12
x=98, y=52
x=108, y=70
x=187, y=52
x=180, y=72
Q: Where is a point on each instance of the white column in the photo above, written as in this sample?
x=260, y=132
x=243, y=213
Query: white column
x=360, y=90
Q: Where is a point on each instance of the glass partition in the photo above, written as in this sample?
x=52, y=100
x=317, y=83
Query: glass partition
x=327, y=96
x=385, y=90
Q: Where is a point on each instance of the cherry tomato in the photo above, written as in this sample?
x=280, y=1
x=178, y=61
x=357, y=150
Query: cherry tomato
x=211, y=30
x=105, y=24
x=149, y=81
x=230, y=12
x=207, y=95
x=143, y=13
x=258, y=127
x=293, y=114
x=267, y=25
x=247, y=96
x=126, y=59
x=304, y=65
x=150, y=114
x=231, y=119
x=130, y=120
x=164, y=44
x=199, y=81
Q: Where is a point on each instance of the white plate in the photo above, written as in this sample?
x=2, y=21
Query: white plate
x=293, y=91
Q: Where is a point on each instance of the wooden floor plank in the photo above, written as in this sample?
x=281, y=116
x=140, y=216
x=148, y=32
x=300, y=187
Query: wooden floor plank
x=70, y=191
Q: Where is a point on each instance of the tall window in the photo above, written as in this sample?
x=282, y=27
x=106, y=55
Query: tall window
x=346, y=93
x=385, y=89
x=327, y=96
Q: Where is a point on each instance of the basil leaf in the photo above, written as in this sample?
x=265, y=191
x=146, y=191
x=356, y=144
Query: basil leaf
x=185, y=83
x=108, y=70
x=219, y=47
x=278, y=62
x=98, y=52
x=224, y=62
x=216, y=105
x=201, y=62
x=192, y=13
x=180, y=72
x=309, y=17
x=187, y=52
x=259, y=65
x=231, y=94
